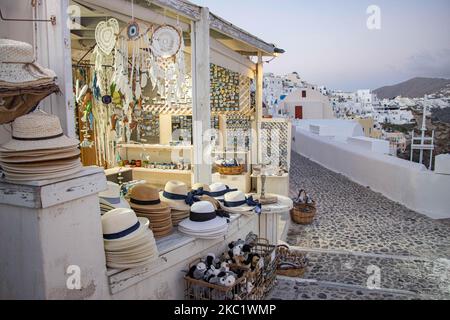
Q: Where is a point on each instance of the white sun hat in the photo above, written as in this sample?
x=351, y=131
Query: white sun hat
x=122, y=224
x=218, y=190
x=37, y=131
x=237, y=202
x=203, y=222
x=112, y=196
x=175, y=194
x=18, y=66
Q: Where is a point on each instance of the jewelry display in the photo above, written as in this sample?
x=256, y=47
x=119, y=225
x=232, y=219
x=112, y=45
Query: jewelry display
x=224, y=89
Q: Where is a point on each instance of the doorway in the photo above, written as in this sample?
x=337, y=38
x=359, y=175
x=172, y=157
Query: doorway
x=298, y=112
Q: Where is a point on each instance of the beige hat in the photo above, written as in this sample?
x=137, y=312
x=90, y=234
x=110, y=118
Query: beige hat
x=175, y=194
x=202, y=186
x=237, y=202
x=23, y=83
x=37, y=131
x=145, y=198
x=111, y=196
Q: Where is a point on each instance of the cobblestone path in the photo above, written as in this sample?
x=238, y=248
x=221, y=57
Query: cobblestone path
x=363, y=245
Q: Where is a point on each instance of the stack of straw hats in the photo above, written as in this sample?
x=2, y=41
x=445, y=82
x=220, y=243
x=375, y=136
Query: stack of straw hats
x=129, y=243
x=237, y=202
x=144, y=200
x=203, y=222
x=111, y=198
x=23, y=83
x=39, y=150
x=175, y=195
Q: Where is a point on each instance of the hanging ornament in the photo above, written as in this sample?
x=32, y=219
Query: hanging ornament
x=133, y=30
x=105, y=35
x=166, y=41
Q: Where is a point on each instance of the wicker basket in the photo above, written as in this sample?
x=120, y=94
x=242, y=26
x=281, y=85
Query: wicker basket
x=231, y=171
x=202, y=290
x=295, y=260
x=303, y=213
x=262, y=278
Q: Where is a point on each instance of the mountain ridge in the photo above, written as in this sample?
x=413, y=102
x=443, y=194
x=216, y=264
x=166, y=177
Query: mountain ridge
x=413, y=88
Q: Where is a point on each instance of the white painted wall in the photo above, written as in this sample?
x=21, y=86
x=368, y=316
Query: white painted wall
x=399, y=180
x=315, y=105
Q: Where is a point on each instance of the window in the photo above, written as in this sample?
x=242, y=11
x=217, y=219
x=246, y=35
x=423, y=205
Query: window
x=303, y=93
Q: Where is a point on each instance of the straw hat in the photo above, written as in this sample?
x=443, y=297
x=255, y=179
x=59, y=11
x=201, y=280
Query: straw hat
x=38, y=131
x=122, y=224
x=175, y=194
x=111, y=196
x=145, y=198
x=203, y=222
x=128, y=241
x=18, y=66
x=218, y=190
x=23, y=83
x=237, y=202
x=203, y=186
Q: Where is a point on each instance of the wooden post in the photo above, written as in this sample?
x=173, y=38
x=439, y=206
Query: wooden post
x=201, y=112
x=54, y=52
x=259, y=104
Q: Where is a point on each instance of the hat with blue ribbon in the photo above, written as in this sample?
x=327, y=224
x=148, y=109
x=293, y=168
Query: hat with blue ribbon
x=218, y=190
x=237, y=202
x=176, y=195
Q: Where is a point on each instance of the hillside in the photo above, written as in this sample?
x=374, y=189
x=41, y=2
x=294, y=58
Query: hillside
x=414, y=88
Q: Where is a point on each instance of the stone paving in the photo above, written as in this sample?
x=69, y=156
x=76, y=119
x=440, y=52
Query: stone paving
x=357, y=231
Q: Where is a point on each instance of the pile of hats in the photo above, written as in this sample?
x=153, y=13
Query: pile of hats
x=129, y=243
x=176, y=196
x=203, y=222
x=111, y=198
x=218, y=191
x=144, y=200
x=237, y=202
x=39, y=150
x=23, y=83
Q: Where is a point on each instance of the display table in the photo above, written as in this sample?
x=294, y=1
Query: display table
x=274, y=219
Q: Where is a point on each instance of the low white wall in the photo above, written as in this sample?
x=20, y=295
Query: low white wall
x=399, y=180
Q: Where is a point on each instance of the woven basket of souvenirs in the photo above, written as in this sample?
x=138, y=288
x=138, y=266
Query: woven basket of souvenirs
x=304, y=209
x=291, y=263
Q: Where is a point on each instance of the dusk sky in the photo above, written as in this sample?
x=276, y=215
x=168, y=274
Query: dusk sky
x=328, y=42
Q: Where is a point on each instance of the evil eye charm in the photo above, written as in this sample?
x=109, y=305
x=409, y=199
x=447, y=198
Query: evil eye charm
x=106, y=99
x=133, y=30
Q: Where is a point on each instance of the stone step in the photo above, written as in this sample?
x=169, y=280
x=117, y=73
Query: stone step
x=409, y=274
x=300, y=289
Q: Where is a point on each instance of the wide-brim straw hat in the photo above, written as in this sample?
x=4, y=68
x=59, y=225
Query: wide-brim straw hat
x=14, y=177
x=145, y=198
x=219, y=188
x=27, y=158
x=38, y=131
x=176, y=188
x=112, y=197
x=18, y=68
x=236, y=197
x=197, y=186
x=121, y=225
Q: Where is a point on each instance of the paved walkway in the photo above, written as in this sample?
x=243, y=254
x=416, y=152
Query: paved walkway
x=361, y=240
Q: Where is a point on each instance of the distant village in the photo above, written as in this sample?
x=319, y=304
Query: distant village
x=391, y=119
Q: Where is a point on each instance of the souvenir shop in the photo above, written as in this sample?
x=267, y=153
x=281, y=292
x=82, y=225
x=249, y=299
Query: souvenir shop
x=167, y=106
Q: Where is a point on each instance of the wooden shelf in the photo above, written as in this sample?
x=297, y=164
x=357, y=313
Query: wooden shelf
x=172, y=171
x=154, y=146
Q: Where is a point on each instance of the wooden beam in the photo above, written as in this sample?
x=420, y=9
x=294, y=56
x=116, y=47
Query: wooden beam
x=220, y=25
x=121, y=10
x=201, y=111
x=183, y=8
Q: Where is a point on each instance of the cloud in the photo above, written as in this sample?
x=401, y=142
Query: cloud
x=428, y=63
